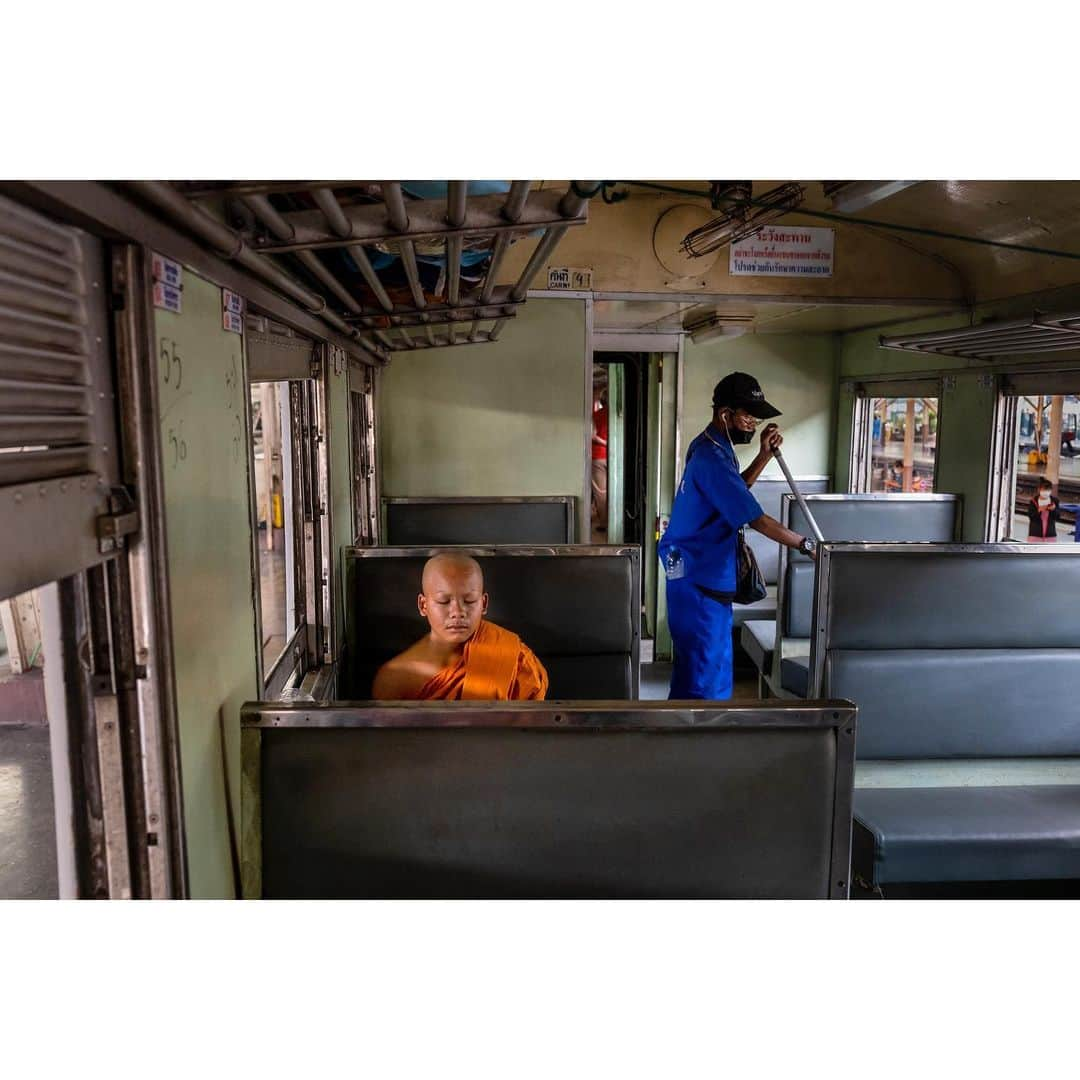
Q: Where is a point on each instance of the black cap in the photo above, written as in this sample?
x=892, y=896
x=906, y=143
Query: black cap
x=741, y=391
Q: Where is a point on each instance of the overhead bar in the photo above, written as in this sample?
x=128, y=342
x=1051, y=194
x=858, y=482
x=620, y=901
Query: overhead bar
x=448, y=316
x=394, y=198
x=512, y=211
x=331, y=209
x=427, y=220
x=265, y=211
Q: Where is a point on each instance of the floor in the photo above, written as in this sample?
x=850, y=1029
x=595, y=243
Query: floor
x=27, y=835
x=656, y=681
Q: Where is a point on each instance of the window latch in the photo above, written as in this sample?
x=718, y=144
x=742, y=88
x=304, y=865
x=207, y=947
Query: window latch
x=121, y=520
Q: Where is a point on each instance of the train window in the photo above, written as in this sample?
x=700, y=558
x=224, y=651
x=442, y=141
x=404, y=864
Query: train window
x=290, y=495
x=899, y=443
x=1038, y=417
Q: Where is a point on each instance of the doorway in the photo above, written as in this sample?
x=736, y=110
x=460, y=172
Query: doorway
x=619, y=436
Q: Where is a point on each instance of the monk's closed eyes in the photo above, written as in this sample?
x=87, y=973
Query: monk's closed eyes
x=463, y=657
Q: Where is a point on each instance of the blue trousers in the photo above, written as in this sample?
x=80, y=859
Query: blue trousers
x=701, y=633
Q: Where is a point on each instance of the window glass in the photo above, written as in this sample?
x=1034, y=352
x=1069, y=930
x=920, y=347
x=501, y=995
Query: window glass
x=1046, y=448
x=903, y=443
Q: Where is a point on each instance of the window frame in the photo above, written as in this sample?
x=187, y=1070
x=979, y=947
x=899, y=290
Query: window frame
x=1002, y=466
x=860, y=459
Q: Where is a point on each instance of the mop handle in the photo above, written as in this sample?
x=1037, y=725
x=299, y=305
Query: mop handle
x=798, y=495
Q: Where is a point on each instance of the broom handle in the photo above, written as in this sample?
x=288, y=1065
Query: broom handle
x=798, y=495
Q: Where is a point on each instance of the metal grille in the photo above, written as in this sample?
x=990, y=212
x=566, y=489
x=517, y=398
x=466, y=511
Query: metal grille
x=335, y=235
x=990, y=340
x=45, y=406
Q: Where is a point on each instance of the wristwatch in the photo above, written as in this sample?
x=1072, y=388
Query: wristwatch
x=807, y=546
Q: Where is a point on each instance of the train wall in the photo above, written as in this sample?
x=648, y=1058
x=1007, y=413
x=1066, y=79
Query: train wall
x=797, y=373
x=502, y=418
x=205, y=438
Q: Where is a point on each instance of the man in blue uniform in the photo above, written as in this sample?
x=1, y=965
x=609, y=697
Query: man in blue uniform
x=697, y=551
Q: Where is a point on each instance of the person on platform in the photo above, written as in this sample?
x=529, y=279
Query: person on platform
x=1042, y=512
x=698, y=549
x=463, y=657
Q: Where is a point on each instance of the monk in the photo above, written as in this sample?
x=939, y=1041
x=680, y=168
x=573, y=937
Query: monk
x=464, y=657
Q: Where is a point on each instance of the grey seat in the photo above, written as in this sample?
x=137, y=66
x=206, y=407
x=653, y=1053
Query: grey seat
x=525, y=520
x=965, y=669
x=527, y=799
x=967, y=833
x=575, y=607
x=864, y=517
x=759, y=609
x=769, y=492
x=758, y=639
x=795, y=674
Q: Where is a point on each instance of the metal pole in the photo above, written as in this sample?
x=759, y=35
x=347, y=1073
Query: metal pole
x=264, y=210
x=539, y=257
x=512, y=211
x=395, y=205
x=327, y=202
x=230, y=245
x=818, y=535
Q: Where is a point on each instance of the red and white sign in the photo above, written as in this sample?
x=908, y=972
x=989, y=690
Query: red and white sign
x=784, y=251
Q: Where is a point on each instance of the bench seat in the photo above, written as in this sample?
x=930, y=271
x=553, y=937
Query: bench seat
x=758, y=639
x=967, y=834
x=759, y=609
x=795, y=674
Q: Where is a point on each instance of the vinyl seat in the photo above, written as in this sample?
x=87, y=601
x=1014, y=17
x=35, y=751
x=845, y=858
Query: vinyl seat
x=967, y=834
x=795, y=674
x=758, y=639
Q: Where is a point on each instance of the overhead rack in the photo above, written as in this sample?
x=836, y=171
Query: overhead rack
x=382, y=225
x=989, y=340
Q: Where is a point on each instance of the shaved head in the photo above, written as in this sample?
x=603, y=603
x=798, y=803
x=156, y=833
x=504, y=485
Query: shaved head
x=452, y=562
x=452, y=597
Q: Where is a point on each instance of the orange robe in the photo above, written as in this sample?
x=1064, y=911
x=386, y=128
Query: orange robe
x=495, y=666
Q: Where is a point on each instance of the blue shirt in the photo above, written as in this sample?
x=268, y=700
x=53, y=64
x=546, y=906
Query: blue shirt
x=711, y=505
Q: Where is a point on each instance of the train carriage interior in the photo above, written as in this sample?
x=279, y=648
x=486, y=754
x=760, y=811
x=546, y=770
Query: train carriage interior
x=239, y=416
x=502, y=605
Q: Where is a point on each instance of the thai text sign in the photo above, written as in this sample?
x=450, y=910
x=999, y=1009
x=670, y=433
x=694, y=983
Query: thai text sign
x=784, y=251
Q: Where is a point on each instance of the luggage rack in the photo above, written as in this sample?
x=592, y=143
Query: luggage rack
x=362, y=223
x=1042, y=333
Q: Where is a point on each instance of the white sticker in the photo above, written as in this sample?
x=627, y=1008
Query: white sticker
x=167, y=272
x=569, y=277
x=167, y=297
x=784, y=251
x=233, y=321
x=231, y=302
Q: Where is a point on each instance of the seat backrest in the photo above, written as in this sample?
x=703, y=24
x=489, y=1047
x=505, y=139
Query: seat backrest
x=530, y=799
x=768, y=492
x=578, y=608
x=954, y=650
x=524, y=520
x=867, y=517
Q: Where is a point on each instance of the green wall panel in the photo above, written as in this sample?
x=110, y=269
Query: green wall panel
x=797, y=373
x=205, y=446
x=505, y=418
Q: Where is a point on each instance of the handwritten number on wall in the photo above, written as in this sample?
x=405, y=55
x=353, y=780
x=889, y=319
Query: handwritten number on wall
x=172, y=365
x=179, y=446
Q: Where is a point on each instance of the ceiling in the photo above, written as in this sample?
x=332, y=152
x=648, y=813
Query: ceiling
x=1044, y=214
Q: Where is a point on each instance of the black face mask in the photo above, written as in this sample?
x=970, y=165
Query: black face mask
x=737, y=436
